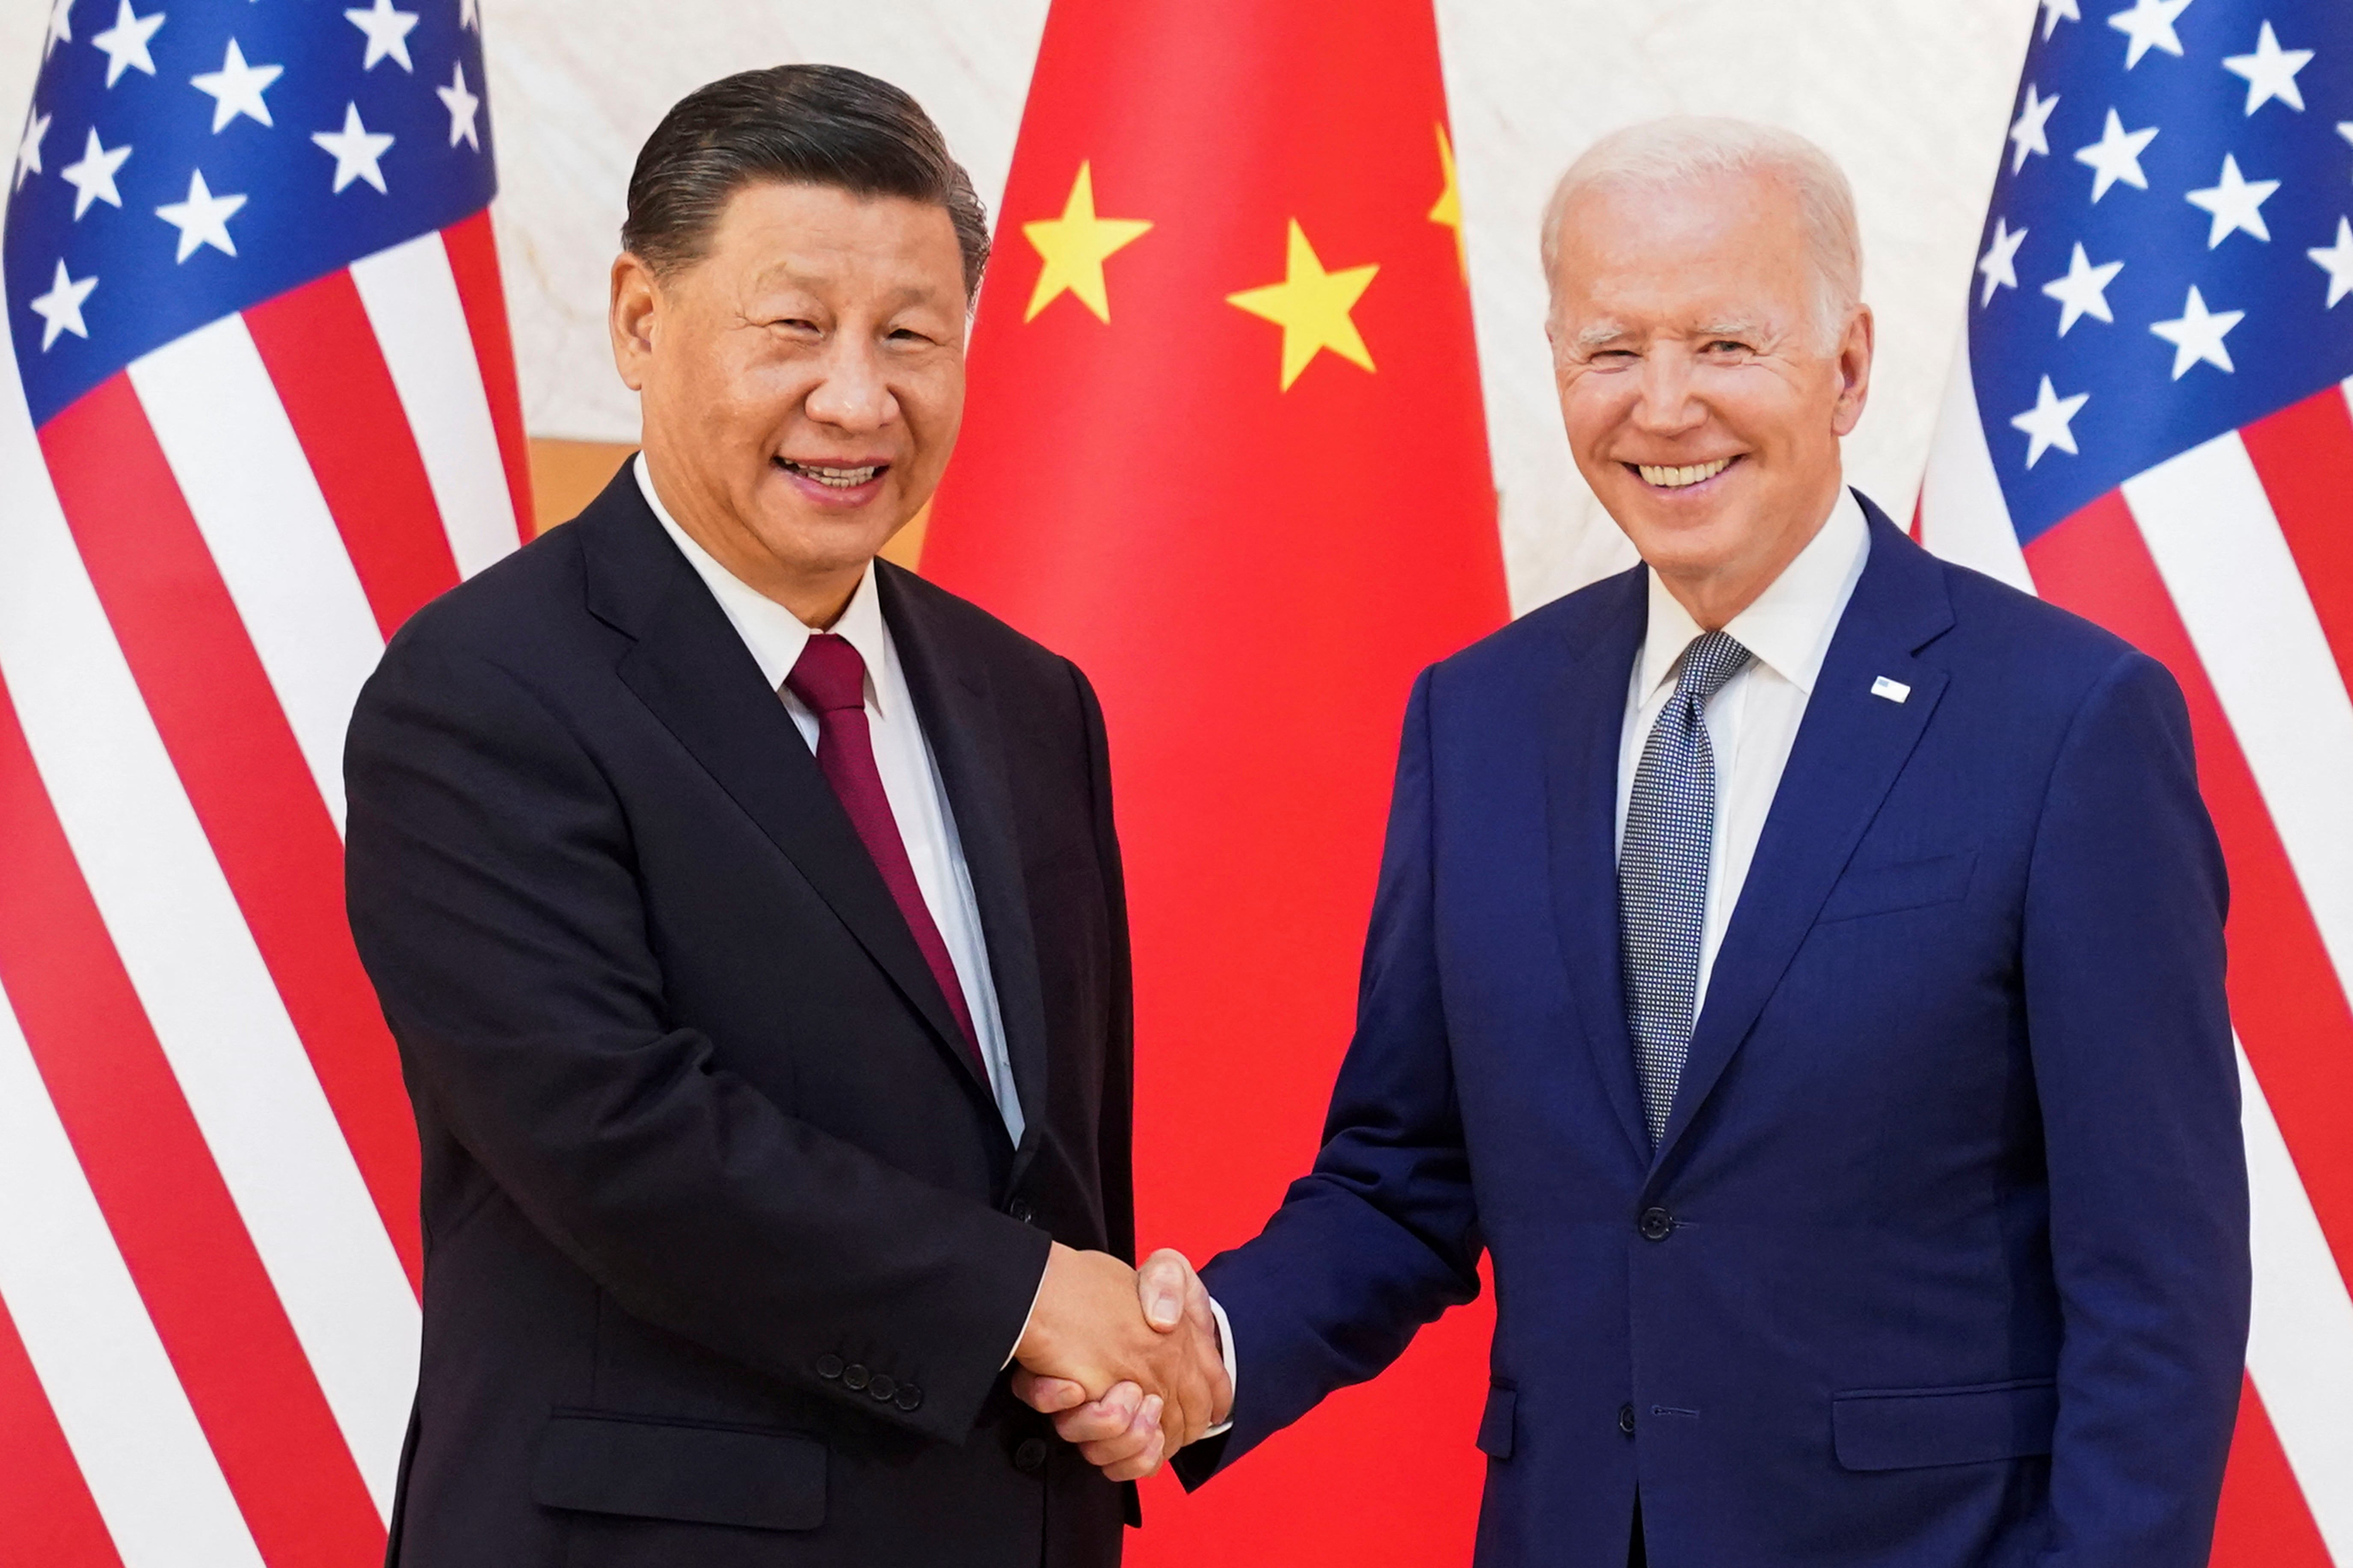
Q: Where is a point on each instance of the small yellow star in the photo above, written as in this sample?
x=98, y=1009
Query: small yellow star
x=1074, y=248
x=1312, y=307
x=1448, y=208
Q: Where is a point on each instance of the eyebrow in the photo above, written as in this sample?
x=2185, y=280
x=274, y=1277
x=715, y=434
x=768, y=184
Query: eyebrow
x=1601, y=334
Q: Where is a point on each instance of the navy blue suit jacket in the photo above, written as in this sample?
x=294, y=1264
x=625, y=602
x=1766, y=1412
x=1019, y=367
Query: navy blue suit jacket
x=1942, y=1259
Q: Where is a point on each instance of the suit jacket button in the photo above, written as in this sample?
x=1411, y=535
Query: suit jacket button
x=1655, y=1224
x=828, y=1366
x=1031, y=1456
x=854, y=1376
x=883, y=1387
x=910, y=1398
x=1626, y=1419
x=1022, y=1210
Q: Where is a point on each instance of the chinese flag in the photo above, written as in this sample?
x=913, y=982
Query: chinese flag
x=1224, y=448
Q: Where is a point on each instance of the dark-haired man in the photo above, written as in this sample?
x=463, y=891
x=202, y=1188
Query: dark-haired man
x=749, y=915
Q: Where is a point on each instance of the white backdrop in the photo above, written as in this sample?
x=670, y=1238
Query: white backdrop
x=1912, y=96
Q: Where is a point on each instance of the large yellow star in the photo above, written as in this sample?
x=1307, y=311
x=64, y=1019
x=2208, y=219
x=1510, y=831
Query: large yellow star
x=1448, y=209
x=1074, y=248
x=1312, y=307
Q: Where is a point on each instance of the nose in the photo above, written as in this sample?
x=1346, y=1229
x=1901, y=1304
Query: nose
x=852, y=394
x=1665, y=406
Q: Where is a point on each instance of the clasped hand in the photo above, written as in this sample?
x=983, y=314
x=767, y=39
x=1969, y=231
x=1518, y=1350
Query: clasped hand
x=1127, y=1361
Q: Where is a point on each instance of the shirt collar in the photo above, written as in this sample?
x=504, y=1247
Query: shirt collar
x=775, y=635
x=1789, y=625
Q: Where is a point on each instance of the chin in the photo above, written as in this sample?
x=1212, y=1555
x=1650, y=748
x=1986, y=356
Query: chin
x=825, y=541
x=1677, y=536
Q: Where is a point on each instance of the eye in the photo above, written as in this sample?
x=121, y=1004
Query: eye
x=1722, y=346
x=1613, y=358
x=794, y=324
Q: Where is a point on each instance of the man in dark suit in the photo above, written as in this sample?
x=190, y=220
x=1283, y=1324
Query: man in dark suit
x=749, y=916
x=1798, y=965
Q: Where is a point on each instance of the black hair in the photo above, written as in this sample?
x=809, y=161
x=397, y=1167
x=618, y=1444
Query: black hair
x=797, y=124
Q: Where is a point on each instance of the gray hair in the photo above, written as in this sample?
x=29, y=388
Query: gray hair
x=1665, y=153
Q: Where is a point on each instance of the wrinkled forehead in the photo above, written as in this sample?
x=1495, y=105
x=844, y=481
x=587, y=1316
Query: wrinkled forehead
x=1705, y=255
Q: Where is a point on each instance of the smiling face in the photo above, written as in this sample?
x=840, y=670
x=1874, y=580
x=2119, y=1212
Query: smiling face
x=801, y=383
x=1700, y=403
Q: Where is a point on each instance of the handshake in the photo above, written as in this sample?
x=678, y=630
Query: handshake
x=1128, y=1362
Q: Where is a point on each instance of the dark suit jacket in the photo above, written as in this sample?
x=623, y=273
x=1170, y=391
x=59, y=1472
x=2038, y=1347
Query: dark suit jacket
x=726, y=1242
x=1942, y=1260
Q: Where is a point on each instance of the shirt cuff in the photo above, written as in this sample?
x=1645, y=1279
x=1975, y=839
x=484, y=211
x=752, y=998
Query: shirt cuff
x=1035, y=1296
x=1233, y=1380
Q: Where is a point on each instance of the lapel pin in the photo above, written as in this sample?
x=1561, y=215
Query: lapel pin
x=1893, y=690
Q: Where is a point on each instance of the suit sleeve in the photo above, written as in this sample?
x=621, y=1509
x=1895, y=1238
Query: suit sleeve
x=2134, y=1063
x=1116, y=1135
x=493, y=894
x=1382, y=1236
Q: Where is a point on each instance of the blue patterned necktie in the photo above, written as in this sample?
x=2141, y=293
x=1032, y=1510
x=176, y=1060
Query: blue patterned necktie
x=1662, y=869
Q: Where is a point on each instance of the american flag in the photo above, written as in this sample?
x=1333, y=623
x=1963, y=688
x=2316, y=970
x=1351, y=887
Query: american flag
x=2149, y=424
x=257, y=405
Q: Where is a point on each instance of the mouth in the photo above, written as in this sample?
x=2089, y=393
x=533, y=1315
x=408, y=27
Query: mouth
x=835, y=483
x=1678, y=477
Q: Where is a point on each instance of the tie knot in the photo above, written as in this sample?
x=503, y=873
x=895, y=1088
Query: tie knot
x=1712, y=659
x=829, y=676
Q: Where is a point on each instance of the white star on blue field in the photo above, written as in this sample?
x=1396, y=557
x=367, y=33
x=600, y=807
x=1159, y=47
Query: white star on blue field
x=2170, y=245
x=186, y=159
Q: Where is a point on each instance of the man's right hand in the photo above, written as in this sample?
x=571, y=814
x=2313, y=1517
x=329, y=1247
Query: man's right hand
x=1121, y=1431
x=1088, y=1330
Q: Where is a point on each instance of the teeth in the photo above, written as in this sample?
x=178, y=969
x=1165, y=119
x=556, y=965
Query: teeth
x=1675, y=478
x=838, y=479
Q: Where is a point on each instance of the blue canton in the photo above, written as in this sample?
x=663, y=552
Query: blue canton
x=2168, y=253
x=187, y=159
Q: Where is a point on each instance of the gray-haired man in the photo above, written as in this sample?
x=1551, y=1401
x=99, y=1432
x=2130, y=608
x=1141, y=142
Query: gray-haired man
x=1798, y=965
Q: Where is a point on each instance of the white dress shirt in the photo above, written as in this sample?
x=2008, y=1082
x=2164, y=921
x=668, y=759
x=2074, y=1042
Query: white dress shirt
x=1752, y=720
x=910, y=777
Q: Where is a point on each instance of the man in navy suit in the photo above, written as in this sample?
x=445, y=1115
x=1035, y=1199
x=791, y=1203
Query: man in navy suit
x=1798, y=962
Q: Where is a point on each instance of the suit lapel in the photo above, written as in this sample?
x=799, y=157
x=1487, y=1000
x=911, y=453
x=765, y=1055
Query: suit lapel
x=691, y=670
x=1585, y=721
x=1850, y=749
x=960, y=720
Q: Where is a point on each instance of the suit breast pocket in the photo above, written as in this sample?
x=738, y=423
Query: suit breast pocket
x=1905, y=885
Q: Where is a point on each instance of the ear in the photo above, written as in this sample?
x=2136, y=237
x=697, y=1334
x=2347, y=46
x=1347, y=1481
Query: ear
x=630, y=319
x=1854, y=370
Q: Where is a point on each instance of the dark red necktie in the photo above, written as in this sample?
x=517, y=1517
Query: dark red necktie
x=831, y=679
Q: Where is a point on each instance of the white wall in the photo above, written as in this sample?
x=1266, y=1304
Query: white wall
x=1910, y=95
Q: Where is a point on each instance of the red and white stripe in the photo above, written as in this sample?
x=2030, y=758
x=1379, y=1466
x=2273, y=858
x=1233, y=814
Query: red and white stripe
x=209, y=1255
x=2231, y=562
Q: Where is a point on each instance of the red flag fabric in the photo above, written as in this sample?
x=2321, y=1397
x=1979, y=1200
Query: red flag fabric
x=1225, y=448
